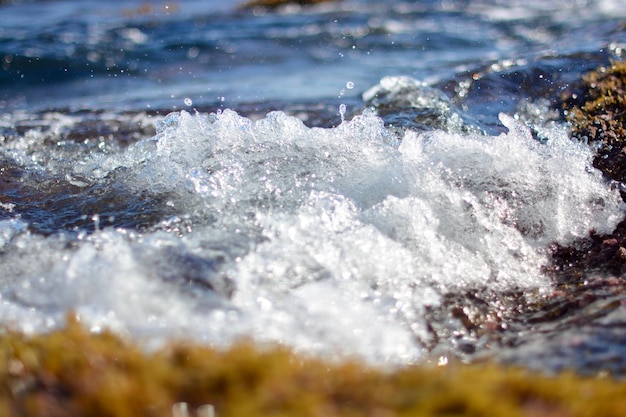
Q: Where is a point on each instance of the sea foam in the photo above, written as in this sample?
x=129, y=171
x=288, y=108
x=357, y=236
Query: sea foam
x=326, y=240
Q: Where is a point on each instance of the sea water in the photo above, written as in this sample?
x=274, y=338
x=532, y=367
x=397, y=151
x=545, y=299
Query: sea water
x=331, y=240
x=320, y=178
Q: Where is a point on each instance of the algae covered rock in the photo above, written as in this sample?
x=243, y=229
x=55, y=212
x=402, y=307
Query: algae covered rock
x=588, y=273
x=596, y=108
x=71, y=372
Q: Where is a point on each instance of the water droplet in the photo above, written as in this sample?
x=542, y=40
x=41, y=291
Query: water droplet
x=96, y=221
x=342, y=111
x=188, y=101
x=193, y=52
x=349, y=85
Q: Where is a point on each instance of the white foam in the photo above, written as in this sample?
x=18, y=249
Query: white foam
x=333, y=239
x=517, y=10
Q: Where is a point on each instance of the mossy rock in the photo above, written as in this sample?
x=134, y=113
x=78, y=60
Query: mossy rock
x=71, y=372
x=596, y=109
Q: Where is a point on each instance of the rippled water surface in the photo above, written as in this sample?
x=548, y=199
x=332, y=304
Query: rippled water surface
x=380, y=179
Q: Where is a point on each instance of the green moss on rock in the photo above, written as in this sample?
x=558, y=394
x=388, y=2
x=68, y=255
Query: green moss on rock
x=596, y=108
x=71, y=372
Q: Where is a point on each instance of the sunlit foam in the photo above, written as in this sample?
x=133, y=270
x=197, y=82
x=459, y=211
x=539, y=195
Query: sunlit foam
x=327, y=240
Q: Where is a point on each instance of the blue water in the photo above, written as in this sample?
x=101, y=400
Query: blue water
x=418, y=167
x=136, y=56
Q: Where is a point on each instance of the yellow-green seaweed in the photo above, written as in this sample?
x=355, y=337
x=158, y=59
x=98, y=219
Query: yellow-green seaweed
x=71, y=372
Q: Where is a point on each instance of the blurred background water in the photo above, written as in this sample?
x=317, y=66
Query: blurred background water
x=140, y=55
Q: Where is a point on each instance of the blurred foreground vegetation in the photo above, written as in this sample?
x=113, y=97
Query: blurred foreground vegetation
x=71, y=372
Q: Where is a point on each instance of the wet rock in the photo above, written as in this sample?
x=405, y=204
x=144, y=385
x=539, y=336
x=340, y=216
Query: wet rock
x=52, y=204
x=596, y=109
x=403, y=102
x=588, y=273
x=589, y=289
x=606, y=253
x=273, y=4
x=192, y=273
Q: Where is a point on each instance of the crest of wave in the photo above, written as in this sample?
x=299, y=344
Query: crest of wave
x=353, y=232
x=466, y=208
x=334, y=239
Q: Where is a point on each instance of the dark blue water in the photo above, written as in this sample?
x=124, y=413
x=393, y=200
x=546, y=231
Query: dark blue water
x=379, y=213
x=136, y=56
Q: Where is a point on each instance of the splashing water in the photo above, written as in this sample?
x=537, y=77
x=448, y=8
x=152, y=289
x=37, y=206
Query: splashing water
x=326, y=240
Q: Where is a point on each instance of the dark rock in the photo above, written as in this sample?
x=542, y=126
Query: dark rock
x=596, y=109
x=273, y=4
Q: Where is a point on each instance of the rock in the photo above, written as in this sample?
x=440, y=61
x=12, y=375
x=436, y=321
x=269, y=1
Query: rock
x=273, y=4
x=596, y=109
x=406, y=103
